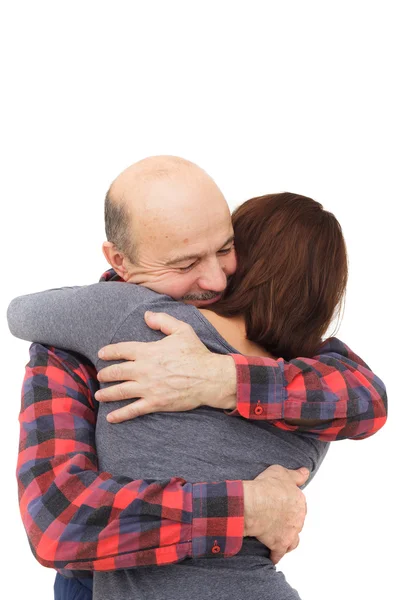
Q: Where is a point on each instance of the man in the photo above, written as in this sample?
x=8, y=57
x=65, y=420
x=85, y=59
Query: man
x=169, y=229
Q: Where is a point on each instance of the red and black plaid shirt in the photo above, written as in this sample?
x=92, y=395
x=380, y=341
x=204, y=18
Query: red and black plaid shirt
x=78, y=518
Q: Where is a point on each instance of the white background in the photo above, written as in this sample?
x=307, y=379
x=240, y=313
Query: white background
x=267, y=97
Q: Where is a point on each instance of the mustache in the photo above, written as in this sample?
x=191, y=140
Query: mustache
x=209, y=295
x=201, y=297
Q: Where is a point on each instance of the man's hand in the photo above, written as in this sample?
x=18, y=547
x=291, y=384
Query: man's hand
x=177, y=373
x=275, y=509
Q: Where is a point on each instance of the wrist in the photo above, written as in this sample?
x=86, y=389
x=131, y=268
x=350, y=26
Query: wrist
x=248, y=513
x=227, y=386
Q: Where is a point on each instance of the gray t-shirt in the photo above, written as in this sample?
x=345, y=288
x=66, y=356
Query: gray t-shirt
x=204, y=444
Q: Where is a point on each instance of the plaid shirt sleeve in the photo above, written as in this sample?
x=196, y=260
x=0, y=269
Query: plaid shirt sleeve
x=335, y=387
x=78, y=518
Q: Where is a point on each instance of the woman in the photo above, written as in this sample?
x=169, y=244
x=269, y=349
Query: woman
x=291, y=277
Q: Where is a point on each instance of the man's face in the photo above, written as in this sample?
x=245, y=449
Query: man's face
x=184, y=247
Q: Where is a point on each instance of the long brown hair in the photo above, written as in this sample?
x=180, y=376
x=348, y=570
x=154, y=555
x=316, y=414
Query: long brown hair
x=291, y=275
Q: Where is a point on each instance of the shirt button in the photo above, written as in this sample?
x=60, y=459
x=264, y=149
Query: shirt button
x=258, y=409
x=215, y=549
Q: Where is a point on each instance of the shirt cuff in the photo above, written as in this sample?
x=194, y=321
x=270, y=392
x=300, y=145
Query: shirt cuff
x=260, y=388
x=218, y=519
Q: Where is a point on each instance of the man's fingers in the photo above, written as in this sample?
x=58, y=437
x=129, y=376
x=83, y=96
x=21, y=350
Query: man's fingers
x=300, y=476
x=164, y=322
x=279, y=553
x=276, y=555
x=294, y=545
x=122, y=391
x=133, y=410
x=125, y=371
x=120, y=351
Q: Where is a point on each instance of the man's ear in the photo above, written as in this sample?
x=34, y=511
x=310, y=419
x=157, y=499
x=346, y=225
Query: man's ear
x=115, y=259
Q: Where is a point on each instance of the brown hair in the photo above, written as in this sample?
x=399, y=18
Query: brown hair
x=291, y=274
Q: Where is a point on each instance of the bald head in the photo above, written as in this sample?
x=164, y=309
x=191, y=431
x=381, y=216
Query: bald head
x=169, y=228
x=150, y=169
x=150, y=193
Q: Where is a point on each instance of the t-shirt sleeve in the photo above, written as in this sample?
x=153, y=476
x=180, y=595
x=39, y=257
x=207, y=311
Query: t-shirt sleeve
x=81, y=319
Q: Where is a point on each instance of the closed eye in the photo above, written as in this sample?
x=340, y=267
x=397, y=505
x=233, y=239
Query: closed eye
x=188, y=268
x=225, y=251
x=222, y=252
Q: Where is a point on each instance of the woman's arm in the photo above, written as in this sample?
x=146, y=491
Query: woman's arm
x=81, y=319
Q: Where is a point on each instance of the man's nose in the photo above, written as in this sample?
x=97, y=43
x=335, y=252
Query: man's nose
x=213, y=278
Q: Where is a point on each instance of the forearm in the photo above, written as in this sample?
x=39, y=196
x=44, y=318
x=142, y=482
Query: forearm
x=47, y=317
x=58, y=476
x=113, y=510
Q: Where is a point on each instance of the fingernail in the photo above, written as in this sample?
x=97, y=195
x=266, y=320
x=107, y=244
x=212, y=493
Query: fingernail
x=111, y=418
x=148, y=313
x=101, y=353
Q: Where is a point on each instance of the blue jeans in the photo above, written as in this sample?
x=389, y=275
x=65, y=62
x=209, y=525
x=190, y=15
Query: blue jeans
x=73, y=588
